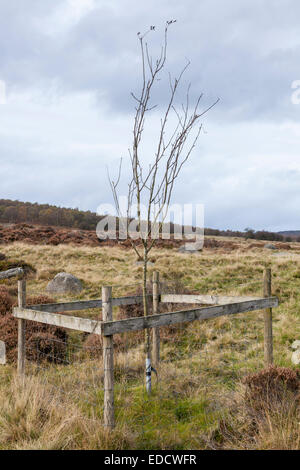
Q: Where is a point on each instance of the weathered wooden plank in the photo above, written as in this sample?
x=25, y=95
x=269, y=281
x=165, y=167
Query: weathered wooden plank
x=268, y=333
x=204, y=299
x=85, y=304
x=67, y=306
x=21, y=329
x=204, y=313
x=108, y=362
x=65, y=321
x=18, y=272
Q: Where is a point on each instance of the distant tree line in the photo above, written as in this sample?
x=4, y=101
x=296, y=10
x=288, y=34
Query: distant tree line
x=45, y=214
x=249, y=233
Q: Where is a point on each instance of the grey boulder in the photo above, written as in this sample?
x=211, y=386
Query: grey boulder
x=270, y=246
x=64, y=283
x=191, y=248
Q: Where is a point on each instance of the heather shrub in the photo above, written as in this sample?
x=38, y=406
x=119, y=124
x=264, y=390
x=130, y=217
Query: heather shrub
x=43, y=342
x=6, y=301
x=272, y=389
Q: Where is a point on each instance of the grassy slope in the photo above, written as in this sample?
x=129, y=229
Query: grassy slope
x=202, y=362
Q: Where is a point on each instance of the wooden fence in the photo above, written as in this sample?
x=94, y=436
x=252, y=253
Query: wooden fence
x=16, y=272
x=215, y=306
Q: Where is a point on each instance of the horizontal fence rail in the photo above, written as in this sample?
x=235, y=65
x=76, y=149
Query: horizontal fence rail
x=140, y=323
x=138, y=299
x=203, y=299
x=86, y=304
x=15, y=272
x=73, y=323
x=205, y=313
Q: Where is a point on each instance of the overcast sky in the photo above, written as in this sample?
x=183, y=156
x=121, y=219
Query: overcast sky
x=69, y=67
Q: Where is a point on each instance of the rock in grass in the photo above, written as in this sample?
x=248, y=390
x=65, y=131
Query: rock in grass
x=270, y=246
x=190, y=248
x=64, y=283
x=296, y=357
x=296, y=344
x=296, y=353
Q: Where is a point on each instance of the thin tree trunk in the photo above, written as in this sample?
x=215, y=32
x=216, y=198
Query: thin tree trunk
x=147, y=331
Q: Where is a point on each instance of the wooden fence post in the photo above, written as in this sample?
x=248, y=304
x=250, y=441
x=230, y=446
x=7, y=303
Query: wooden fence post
x=21, y=328
x=268, y=334
x=108, y=361
x=156, y=334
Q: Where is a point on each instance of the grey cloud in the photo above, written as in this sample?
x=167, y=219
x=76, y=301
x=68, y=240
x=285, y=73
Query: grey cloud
x=246, y=53
x=262, y=200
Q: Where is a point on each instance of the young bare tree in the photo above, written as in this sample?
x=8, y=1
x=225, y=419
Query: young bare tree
x=151, y=183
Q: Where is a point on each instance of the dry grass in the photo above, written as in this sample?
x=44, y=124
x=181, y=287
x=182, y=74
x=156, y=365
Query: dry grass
x=31, y=417
x=199, y=400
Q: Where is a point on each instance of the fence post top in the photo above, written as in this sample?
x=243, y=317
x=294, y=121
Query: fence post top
x=106, y=293
x=20, y=274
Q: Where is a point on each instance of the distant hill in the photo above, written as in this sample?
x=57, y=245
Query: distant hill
x=294, y=234
x=17, y=212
